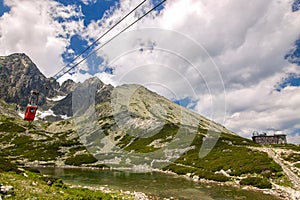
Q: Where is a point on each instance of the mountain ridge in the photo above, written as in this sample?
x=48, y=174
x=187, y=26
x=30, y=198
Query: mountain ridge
x=126, y=126
x=19, y=75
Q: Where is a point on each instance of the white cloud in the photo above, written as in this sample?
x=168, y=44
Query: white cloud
x=293, y=139
x=106, y=78
x=87, y=2
x=191, y=48
x=30, y=27
x=246, y=41
x=261, y=108
x=77, y=77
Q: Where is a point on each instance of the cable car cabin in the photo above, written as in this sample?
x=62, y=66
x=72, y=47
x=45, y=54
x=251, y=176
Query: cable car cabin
x=32, y=106
x=30, y=113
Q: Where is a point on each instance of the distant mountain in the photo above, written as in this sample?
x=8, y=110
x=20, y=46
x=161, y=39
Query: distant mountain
x=135, y=119
x=127, y=126
x=19, y=75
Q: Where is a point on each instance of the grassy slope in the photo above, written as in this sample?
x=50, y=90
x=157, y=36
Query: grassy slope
x=23, y=142
x=28, y=142
x=29, y=185
x=231, y=154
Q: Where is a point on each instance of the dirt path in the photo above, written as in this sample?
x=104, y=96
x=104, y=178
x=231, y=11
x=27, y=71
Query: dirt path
x=294, y=178
x=294, y=192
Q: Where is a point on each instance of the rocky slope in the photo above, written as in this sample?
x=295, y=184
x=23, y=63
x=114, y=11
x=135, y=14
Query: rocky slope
x=19, y=75
x=128, y=126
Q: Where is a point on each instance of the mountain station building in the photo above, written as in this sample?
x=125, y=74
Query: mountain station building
x=263, y=138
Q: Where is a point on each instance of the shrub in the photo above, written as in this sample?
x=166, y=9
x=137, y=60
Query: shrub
x=261, y=183
x=11, y=127
x=181, y=170
x=80, y=159
x=293, y=157
x=211, y=176
x=6, y=165
x=59, y=183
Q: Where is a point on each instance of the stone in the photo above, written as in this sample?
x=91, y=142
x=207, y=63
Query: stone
x=49, y=183
x=6, y=189
x=195, y=178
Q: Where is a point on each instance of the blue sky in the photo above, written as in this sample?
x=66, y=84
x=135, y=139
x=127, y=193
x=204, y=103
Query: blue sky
x=237, y=63
x=93, y=10
x=3, y=8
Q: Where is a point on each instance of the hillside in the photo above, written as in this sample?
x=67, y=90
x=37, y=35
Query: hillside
x=19, y=75
x=129, y=127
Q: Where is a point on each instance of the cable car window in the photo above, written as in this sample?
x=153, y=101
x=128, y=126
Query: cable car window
x=32, y=110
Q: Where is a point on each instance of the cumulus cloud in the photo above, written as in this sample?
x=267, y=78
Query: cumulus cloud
x=209, y=51
x=236, y=45
x=86, y=2
x=261, y=107
x=31, y=26
x=293, y=139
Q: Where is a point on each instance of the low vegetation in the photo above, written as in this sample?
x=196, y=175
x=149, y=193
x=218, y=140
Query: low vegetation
x=258, y=182
x=24, y=142
x=80, y=159
x=287, y=146
x=230, y=154
x=292, y=157
x=142, y=145
x=32, y=185
x=28, y=183
x=31, y=142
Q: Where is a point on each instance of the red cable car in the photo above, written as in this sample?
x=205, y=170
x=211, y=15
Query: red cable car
x=32, y=106
x=30, y=113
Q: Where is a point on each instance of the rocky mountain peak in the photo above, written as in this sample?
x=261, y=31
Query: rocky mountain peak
x=68, y=86
x=19, y=75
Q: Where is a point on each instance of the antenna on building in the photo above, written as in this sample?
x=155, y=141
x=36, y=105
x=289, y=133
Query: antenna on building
x=255, y=133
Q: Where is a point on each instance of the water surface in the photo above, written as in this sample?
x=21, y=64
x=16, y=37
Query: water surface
x=155, y=183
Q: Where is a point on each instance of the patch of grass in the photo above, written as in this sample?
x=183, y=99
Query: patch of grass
x=6, y=137
x=202, y=173
x=181, y=170
x=237, y=140
x=211, y=176
x=34, y=145
x=75, y=149
x=64, y=122
x=80, y=160
x=21, y=140
x=11, y=127
x=229, y=153
x=225, y=155
x=26, y=147
x=70, y=143
x=262, y=183
x=141, y=144
x=293, y=157
x=45, y=125
x=30, y=125
x=6, y=165
x=4, y=118
x=287, y=146
x=282, y=179
x=126, y=139
x=297, y=165
x=35, y=186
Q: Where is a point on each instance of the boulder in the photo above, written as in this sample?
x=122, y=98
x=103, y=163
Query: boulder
x=6, y=189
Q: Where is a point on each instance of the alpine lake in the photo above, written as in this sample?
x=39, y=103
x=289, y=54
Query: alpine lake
x=158, y=184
